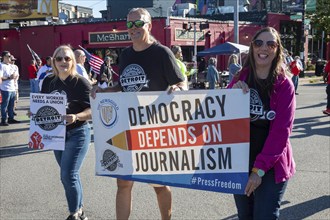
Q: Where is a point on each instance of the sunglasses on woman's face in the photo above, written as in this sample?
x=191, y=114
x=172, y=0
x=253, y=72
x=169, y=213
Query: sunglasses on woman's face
x=137, y=23
x=59, y=59
x=270, y=44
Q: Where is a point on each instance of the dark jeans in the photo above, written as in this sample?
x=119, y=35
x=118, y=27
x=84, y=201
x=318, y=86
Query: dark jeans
x=295, y=80
x=264, y=203
x=328, y=96
x=70, y=161
x=7, y=105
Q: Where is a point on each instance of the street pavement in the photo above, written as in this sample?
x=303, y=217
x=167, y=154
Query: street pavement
x=30, y=187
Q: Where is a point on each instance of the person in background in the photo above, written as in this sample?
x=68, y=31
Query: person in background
x=179, y=58
x=44, y=70
x=38, y=64
x=1, y=74
x=288, y=58
x=201, y=66
x=212, y=75
x=65, y=80
x=327, y=77
x=190, y=71
x=34, y=84
x=81, y=59
x=161, y=74
x=105, y=78
x=296, y=67
x=233, y=66
x=8, y=90
x=15, y=67
x=272, y=93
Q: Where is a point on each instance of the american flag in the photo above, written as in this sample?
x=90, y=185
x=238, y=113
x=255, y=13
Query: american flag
x=94, y=61
x=34, y=54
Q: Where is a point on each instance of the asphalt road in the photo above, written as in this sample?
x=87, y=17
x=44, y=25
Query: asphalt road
x=30, y=187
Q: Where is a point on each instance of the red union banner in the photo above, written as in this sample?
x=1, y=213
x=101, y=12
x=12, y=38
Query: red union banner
x=192, y=139
x=28, y=9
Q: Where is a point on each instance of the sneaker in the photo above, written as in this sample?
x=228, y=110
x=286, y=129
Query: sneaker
x=72, y=217
x=326, y=112
x=4, y=123
x=296, y=93
x=83, y=216
x=13, y=121
x=80, y=217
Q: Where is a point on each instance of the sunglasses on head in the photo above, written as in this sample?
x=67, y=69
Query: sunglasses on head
x=270, y=44
x=137, y=23
x=59, y=59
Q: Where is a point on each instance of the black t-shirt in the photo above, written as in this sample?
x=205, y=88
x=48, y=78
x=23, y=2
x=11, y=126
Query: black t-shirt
x=153, y=69
x=105, y=71
x=259, y=124
x=76, y=88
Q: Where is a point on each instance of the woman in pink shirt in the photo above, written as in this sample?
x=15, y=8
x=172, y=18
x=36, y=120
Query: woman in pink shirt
x=272, y=106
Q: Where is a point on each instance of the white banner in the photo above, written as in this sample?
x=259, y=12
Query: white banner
x=47, y=124
x=194, y=139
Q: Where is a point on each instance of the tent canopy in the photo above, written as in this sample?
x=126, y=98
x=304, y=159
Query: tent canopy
x=226, y=48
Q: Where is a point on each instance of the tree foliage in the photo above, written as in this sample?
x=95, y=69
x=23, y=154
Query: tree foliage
x=320, y=19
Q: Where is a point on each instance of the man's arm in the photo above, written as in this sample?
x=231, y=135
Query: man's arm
x=97, y=89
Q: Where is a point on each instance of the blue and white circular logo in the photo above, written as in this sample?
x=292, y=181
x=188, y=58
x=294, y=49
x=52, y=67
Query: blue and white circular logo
x=108, y=112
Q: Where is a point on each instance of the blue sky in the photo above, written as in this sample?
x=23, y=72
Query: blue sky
x=96, y=5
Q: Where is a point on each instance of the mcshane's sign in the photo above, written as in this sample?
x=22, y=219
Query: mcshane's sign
x=108, y=37
x=186, y=35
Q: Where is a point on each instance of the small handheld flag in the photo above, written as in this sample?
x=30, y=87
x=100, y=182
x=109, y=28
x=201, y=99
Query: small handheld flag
x=94, y=61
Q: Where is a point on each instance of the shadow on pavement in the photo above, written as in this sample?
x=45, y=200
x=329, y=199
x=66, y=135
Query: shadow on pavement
x=7, y=131
x=17, y=150
x=315, y=84
x=306, y=209
x=306, y=127
x=299, y=211
x=321, y=104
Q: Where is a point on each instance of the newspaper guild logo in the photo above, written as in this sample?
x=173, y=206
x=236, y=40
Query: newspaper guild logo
x=47, y=118
x=110, y=160
x=108, y=112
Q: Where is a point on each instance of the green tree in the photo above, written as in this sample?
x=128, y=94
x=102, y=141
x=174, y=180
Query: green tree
x=320, y=19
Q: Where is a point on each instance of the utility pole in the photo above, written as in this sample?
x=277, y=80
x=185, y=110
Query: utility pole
x=303, y=38
x=195, y=47
x=236, y=36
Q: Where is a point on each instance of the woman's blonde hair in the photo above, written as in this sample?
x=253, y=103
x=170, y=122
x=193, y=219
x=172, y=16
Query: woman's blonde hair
x=212, y=61
x=233, y=59
x=72, y=70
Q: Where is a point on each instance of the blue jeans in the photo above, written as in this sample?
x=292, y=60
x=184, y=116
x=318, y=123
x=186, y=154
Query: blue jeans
x=34, y=85
x=264, y=203
x=70, y=161
x=8, y=101
x=295, y=80
x=328, y=96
